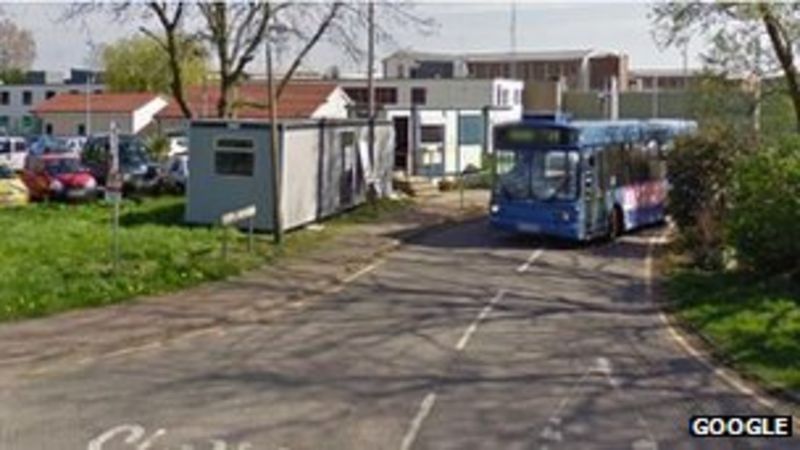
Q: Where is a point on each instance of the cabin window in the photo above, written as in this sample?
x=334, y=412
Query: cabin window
x=233, y=163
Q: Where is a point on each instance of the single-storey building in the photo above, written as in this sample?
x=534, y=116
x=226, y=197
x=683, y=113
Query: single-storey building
x=80, y=114
x=324, y=166
x=442, y=126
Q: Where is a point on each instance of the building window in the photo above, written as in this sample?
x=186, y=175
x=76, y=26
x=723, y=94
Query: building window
x=386, y=96
x=401, y=71
x=5, y=98
x=517, y=97
x=81, y=129
x=233, y=163
x=49, y=94
x=48, y=129
x=358, y=95
x=27, y=97
x=470, y=129
x=418, y=96
x=431, y=134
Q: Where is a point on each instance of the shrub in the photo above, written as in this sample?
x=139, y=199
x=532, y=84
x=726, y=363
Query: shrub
x=158, y=147
x=764, y=219
x=700, y=169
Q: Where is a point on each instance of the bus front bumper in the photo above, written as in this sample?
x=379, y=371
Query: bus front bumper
x=553, y=222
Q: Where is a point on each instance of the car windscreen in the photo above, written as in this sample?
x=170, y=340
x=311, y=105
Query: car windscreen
x=63, y=166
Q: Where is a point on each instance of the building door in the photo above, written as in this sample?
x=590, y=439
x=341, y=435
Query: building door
x=401, y=143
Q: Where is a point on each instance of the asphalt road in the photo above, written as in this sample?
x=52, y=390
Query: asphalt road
x=464, y=339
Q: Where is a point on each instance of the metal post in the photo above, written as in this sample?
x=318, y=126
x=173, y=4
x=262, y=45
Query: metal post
x=250, y=235
x=277, y=226
x=371, y=77
x=225, y=242
x=116, y=236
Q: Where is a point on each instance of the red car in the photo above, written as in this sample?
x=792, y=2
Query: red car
x=58, y=176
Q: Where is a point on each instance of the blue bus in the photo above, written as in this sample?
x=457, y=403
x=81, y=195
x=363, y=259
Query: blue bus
x=580, y=180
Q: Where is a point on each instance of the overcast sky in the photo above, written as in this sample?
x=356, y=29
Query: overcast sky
x=462, y=27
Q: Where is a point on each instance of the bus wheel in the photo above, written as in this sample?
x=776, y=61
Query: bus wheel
x=614, y=223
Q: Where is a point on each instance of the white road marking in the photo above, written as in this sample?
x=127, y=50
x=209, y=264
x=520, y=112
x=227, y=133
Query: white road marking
x=644, y=444
x=363, y=271
x=730, y=378
x=424, y=409
x=474, y=325
x=430, y=399
x=531, y=259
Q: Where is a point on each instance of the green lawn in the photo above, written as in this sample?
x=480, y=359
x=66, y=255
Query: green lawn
x=55, y=257
x=754, y=322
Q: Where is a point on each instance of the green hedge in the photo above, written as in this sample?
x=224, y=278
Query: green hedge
x=763, y=224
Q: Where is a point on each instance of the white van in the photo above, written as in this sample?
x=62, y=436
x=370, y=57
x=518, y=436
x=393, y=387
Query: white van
x=13, y=151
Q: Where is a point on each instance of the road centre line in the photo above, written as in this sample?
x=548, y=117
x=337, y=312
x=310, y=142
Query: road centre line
x=424, y=410
x=481, y=316
x=426, y=406
x=531, y=259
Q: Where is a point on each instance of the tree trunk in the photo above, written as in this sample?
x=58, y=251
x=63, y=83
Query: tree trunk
x=782, y=45
x=171, y=27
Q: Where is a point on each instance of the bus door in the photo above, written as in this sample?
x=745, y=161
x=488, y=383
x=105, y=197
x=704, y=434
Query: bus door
x=594, y=204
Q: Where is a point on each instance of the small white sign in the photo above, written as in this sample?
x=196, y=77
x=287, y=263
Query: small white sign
x=238, y=215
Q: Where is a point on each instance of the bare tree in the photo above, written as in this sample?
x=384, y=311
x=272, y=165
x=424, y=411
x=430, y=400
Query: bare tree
x=234, y=30
x=17, y=47
x=736, y=33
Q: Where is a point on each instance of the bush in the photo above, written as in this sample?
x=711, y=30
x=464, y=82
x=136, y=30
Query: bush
x=764, y=219
x=700, y=171
x=158, y=147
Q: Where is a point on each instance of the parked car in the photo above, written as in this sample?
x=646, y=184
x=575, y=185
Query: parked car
x=44, y=145
x=13, y=151
x=177, y=172
x=75, y=143
x=58, y=177
x=13, y=191
x=178, y=143
x=139, y=171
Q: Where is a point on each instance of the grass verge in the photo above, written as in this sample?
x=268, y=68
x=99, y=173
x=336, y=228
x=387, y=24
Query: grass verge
x=56, y=257
x=752, y=322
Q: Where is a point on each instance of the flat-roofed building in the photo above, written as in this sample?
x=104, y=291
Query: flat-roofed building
x=583, y=69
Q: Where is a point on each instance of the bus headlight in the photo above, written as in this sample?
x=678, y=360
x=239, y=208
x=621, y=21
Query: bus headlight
x=494, y=209
x=564, y=215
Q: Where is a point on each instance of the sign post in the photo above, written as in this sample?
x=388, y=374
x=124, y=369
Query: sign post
x=226, y=220
x=114, y=192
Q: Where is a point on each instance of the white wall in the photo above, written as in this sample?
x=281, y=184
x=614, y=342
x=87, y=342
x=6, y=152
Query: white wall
x=335, y=107
x=452, y=93
x=145, y=115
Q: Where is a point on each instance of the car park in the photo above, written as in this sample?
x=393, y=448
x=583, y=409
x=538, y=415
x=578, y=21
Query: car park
x=13, y=151
x=139, y=171
x=13, y=191
x=58, y=177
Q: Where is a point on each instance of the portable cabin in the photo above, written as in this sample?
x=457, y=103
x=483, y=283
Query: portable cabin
x=325, y=168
